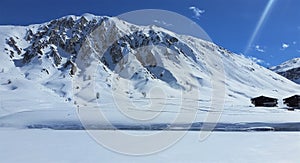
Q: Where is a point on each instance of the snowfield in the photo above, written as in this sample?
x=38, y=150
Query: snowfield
x=77, y=146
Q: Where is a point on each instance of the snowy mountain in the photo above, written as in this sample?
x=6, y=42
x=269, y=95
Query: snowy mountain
x=289, y=69
x=73, y=62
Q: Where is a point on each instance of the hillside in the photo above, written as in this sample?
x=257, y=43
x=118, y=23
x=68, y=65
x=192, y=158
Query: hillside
x=50, y=72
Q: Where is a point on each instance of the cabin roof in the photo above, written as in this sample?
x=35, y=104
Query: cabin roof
x=294, y=96
x=264, y=97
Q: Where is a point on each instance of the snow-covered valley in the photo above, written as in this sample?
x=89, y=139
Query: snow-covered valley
x=101, y=73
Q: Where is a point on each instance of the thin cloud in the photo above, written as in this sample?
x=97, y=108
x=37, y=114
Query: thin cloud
x=284, y=46
x=162, y=23
x=259, y=49
x=197, y=12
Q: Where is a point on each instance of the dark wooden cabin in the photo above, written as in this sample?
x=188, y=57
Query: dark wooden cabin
x=264, y=101
x=293, y=101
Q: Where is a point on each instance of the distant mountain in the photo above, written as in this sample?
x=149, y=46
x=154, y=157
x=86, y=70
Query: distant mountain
x=56, y=62
x=289, y=69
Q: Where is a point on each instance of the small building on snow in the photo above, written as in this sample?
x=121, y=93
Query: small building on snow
x=293, y=101
x=264, y=101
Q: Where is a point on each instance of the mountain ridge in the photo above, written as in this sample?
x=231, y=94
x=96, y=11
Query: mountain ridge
x=289, y=69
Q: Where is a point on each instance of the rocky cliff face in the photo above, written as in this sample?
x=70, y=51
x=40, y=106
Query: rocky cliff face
x=60, y=41
x=53, y=39
x=292, y=74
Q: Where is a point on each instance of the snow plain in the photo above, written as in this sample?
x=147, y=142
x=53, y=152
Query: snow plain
x=77, y=146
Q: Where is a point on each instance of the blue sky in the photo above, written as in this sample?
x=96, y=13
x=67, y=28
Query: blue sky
x=229, y=23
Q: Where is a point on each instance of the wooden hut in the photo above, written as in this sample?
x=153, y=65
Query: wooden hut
x=264, y=101
x=293, y=101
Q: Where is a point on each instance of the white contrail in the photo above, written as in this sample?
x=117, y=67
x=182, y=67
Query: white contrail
x=260, y=23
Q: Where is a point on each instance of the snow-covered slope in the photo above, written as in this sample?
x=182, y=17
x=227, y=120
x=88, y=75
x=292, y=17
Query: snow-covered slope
x=74, y=62
x=289, y=69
